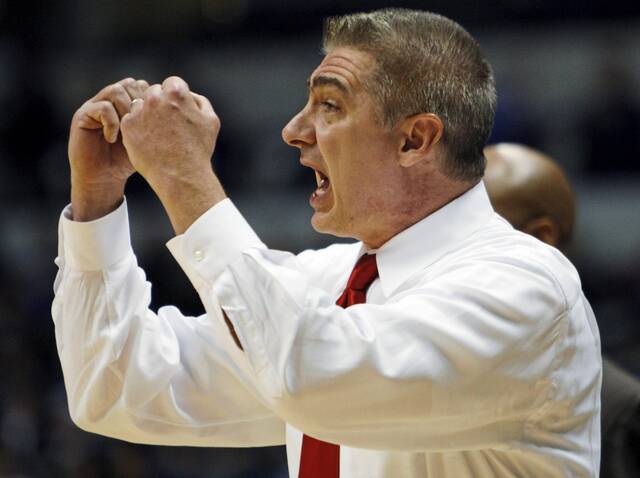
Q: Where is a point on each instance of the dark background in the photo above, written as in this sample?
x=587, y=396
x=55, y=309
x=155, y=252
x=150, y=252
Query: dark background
x=568, y=75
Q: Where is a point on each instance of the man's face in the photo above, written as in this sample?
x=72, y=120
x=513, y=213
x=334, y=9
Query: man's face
x=341, y=137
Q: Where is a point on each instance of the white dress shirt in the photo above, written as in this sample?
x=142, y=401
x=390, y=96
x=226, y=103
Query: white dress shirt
x=475, y=355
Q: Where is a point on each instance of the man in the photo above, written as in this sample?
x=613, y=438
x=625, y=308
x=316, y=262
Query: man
x=442, y=343
x=528, y=189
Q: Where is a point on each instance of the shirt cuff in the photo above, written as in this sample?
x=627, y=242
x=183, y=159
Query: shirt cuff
x=212, y=242
x=98, y=244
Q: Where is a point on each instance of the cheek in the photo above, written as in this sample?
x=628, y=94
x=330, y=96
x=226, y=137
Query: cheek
x=357, y=162
x=330, y=139
x=336, y=152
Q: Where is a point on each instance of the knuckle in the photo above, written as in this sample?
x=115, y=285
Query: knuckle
x=175, y=79
x=84, y=108
x=79, y=113
x=117, y=89
x=106, y=115
x=152, y=99
x=177, y=92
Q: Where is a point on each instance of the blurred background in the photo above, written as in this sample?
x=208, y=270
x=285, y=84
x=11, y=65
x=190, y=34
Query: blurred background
x=568, y=76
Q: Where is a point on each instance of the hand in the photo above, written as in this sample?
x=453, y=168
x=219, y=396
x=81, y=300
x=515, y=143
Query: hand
x=170, y=136
x=99, y=162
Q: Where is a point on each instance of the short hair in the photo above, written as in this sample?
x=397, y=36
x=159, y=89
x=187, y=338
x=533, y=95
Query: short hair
x=425, y=63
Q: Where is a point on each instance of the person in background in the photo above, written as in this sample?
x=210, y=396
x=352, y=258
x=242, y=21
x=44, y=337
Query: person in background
x=530, y=190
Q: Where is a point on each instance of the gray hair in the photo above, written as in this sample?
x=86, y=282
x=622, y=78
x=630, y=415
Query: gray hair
x=425, y=63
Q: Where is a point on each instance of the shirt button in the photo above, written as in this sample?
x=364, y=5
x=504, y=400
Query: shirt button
x=199, y=255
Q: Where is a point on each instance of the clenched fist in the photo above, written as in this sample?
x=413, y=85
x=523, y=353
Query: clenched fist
x=99, y=162
x=170, y=135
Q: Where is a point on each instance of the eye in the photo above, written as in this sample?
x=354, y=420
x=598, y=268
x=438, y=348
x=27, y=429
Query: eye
x=329, y=106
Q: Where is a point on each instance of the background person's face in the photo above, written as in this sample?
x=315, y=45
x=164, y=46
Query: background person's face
x=340, y=136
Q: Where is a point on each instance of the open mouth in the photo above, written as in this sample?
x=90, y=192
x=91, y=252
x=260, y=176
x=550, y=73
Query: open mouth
x=323, y=184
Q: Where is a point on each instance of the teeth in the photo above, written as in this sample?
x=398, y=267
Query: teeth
x=321, y=180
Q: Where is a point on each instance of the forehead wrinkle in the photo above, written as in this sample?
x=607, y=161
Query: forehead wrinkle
x=322, y=80
x=346, y=60
x=351, y=71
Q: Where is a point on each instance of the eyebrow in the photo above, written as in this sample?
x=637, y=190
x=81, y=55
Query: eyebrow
x=320, y=80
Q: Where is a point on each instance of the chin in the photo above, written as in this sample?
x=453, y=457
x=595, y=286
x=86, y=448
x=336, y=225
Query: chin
x=320, y=224
x=325, y=224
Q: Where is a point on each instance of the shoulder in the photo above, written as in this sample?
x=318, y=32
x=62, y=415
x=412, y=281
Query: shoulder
x=506, y=263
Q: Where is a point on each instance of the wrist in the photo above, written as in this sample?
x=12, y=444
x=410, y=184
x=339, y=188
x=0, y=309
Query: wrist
x=93, y=202
x=185, y=199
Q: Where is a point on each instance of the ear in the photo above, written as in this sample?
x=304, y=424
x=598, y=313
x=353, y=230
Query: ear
x=545, y=229
x=419, y=135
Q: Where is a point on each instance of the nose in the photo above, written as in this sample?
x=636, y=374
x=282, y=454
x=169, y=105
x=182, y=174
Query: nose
x=299, y=131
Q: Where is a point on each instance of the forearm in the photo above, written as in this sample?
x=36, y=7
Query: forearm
x=138, y=376
x=185, y=199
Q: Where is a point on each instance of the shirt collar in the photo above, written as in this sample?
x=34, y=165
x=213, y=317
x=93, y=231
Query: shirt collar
x=426, y=241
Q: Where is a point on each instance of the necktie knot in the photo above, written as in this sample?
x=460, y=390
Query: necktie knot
x=364, y=273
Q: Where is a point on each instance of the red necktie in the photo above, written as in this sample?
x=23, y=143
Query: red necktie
x=320, y=459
